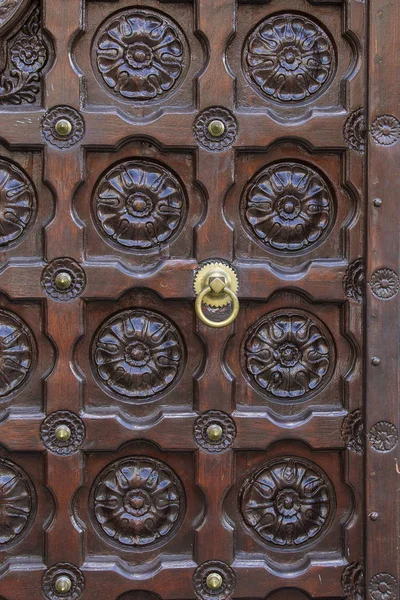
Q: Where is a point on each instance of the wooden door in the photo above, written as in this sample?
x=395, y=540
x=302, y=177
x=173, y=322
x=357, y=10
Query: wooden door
x=147, y=453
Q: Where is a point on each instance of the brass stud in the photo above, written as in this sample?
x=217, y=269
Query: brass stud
x=216, y=128
x=63, y=280
x=214, y=432
x=214, y=581
x=63, y=584
x=62, y=433
x=63, y=127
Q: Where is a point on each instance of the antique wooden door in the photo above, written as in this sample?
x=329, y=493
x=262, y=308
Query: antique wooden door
x=199, y=308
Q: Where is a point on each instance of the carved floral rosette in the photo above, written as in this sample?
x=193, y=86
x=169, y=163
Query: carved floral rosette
x=18, y=203
x=58, y=419
x=137, y=354
x=17, y=503
x=287, y=503
x=288, y=207
x=26, y=53
x=353, y=432
x=353, y=581
x=289, y=58
x=71, y=268
x=140, y=55
x=215, y=417
x=17, y=352
x=226, y=573
x=288, y=355
x=138, y=502
x=59, y=113
x=58, y=570
x=139, y=205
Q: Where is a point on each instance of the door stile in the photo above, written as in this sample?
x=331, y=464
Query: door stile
x=383, y=304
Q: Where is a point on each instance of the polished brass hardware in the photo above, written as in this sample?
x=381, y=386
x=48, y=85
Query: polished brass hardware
x=214, y=432
x=62, y=433
x=216, y=284
x=63, y=584
x=63, y=127
x=63, y=280
x=216, y=128
x=214, y=581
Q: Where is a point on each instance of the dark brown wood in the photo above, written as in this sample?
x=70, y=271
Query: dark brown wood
x=299, y=197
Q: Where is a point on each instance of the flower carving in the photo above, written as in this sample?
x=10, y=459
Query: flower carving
x=288, y=206
x=287, y=502
x=28, y=54
x=207, y=420
x=215, y=143
x=71, y=269
x=384, y=284
x=17, y=202
x=16, y=353
x=354, y=280
x=383, y=436
x=138, y=501
x=383, y=587
x=139, y=204
x=58, y=570
x=386, y=130
x=353, y=581
x=58, y=419
x=140, y=54
x=228, y=577
x=16, y=503
x=353, y=431
x=137, y=353
x=355, y=130
x=49, y=130
x=289, y=355
x=289, y=58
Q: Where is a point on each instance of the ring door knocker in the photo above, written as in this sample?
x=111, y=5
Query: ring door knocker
x=216, y=284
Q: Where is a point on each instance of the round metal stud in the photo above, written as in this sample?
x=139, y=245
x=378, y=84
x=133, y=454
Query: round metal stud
x=62, y=433
x=378, y=202
x=214, y=581
x=216, y=128
x=63, y=281
x=63, y=127
x=214, y=432
x=63, y=584
x=373, y=516
x=376, y=361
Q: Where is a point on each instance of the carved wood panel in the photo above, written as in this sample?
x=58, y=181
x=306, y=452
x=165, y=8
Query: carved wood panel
x=143, y=454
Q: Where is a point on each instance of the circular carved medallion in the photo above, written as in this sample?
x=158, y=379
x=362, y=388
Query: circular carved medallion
x=383, y=586
x=139, y=204
x=288, y=207
x=138, y=501
x=384, y=284
x=140, y=54
x=221, y=570
x=137, y=353
x=17, y=500
x=55, y=573
x=287, y=502
x=16, y=352
x=383, y=436
x=57, y=137
x=289, y=58
x=385, y=130
x=289, y=354
x=226, y=431
x=17, y=202
x=224, y=137
x=73, y=274
x=67, y=419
